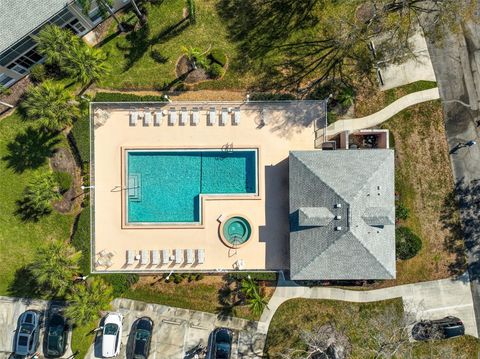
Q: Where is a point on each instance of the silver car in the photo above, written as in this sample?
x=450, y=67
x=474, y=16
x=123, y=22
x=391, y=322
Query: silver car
x=27, y=333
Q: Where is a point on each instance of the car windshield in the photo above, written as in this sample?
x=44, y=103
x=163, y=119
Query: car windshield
x=22, y=340
x=142, y=335
x=54, y=344
x=26, y=328
x=110, y=329
x=223, y=349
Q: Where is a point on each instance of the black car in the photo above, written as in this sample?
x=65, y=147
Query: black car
x=221, y=344
x=141, y=336
x=448, y=327
x=56, y=336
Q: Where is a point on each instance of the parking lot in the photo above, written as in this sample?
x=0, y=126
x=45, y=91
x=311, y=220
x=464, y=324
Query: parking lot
x=176, y=331
x=10, y=311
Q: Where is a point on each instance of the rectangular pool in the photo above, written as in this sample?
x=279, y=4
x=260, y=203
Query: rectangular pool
x=164, y=186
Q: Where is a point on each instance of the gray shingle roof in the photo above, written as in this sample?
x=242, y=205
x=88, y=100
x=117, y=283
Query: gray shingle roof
x=20, y=17
x=357, y=187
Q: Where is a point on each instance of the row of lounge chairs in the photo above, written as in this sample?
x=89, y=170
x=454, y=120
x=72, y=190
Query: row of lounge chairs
x=164, y=256
x=185, y=115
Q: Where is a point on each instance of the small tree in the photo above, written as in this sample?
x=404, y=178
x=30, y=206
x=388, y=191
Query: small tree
x=87, y=300
x=105, y=8
x=195, y=56
x=38, y=196
x=55, y=266
x=408, y=244
x=50, y=105
x=86, y=64
x=54, y=43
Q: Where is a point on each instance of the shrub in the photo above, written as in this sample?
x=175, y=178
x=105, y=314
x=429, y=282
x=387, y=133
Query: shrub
x=267, y=276
x=157, y=56
x=81, y=239
x=120, y=282
x=5, y=90
x=271, y=97
x=38, y=73
x=192, y=12
x=199, y=277
x=80, y=135
x=64, y=181
x=401, y=212
x=216, y=71
x=126, y=97
x=218, y=56
x=408, y=244
x=331, y=117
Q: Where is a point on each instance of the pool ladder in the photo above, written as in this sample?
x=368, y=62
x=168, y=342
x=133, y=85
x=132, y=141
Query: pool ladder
x=134, y=188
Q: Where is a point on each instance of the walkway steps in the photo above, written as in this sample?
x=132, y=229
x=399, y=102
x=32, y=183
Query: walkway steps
x=383, y=115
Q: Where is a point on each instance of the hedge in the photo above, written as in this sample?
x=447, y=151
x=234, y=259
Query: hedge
x=81, y=239
x=271, y=97
x=126, y=97
x=408, y=244
x=81, y=138
x=267, y=276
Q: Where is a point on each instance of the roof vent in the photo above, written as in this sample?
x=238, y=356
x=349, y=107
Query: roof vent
x=338, y=228
x=338, y=217
x=338, y=205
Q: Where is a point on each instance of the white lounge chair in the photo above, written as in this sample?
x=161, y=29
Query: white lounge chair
x=147, y=118
x=195, y=119
x=143, y=257
x=158, y=118
x=221, y=218
x=212, y=114
x=183, y=116
x=200, y=256
x=133, y=118
x=130, y=257
x=236, y=116
x=165, y=256
x=223, y=117
x=178, y=256
x=155, y=257
x=172, y=116
x=189, y=256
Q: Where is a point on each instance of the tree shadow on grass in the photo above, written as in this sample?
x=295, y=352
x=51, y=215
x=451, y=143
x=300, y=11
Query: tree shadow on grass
x=24, y=284
x=31, y=149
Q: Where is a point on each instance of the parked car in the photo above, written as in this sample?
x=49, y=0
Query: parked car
x=220, y=344
x=27, y=333
x=112, y=335
x=141, y=334
x=56, y=336
x=448, y=327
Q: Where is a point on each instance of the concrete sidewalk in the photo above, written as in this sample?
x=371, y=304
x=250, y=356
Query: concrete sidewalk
x=384, y=114
x=427, y=300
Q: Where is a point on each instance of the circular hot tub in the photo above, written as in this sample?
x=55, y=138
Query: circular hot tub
x=235, y=231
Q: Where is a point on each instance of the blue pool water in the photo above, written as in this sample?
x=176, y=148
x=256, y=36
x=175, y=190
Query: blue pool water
x=164, y=186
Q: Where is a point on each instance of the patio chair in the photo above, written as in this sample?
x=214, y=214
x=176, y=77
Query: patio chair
x=211, y=116
x=158, y=118
x=172, y=117
x=147, y=118
x=133, y=118
x=236, y=116
x=189, y=256
x=165, y=256
x=155, y=257
x=178, y=256
x=195, y=119
x=183, y=116
x=221, y=218
x=143, y=257
x=223, y=117
x=130, y=257
x=200, y=256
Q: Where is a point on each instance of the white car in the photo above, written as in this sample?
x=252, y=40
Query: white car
x=112, y=335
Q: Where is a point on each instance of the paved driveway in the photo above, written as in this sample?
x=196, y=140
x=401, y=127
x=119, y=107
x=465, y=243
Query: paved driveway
x=178, y=330
x=10, y=311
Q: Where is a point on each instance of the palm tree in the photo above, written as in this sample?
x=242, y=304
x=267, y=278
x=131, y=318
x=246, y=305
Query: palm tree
x=195, y=56
x=86, y=64
x=141, y=17
x=54, y=42
x=38, y=196
x=249, y=287
x=86, y=301
x=257, y=304
x=55, y=266
x=104, y=6
x=50, y=105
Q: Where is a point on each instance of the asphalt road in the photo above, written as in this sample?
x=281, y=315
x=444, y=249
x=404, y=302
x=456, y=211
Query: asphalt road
x=452, y=61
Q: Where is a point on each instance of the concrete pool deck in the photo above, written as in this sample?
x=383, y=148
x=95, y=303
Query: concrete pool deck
x=273, y=128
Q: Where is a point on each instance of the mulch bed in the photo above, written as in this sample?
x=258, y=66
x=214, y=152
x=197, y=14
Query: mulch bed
x=185, y=71
x=16, y=93
x=64, y=161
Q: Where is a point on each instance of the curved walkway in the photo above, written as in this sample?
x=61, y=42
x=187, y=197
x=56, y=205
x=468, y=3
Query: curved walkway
x=434, y=299
x=391, y=110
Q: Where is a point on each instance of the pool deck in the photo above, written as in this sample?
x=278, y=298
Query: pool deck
x=285, y=127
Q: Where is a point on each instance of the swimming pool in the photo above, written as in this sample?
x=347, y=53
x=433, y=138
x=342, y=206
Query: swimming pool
x=165, y=186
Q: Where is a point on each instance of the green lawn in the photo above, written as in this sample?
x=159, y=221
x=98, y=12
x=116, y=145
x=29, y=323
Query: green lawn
x=19, y=240
x=130, y=55
x=360, y=322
